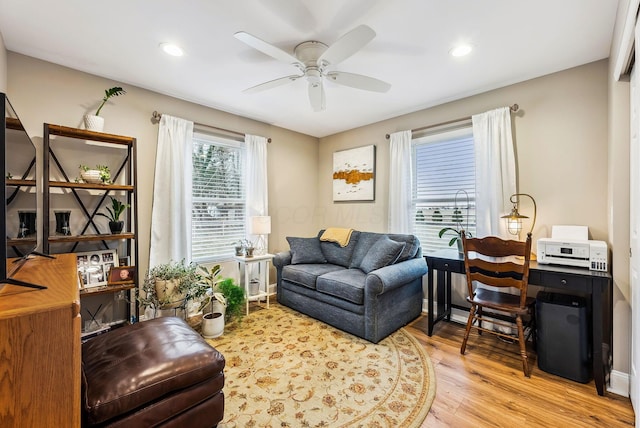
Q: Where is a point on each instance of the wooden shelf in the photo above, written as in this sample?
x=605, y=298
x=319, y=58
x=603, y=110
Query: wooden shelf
x=21, y=241
x=73, y=185
x=13, y=182
x=93, y=291
x=83, y=134
x=89, y=238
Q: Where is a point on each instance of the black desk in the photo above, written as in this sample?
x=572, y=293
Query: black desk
x=595, y=285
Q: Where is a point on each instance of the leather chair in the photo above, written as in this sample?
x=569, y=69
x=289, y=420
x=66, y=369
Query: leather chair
x=494, y=263
x=154, y=373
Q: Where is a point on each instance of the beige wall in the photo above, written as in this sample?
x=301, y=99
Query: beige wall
x=561, y=144
x=44, y=92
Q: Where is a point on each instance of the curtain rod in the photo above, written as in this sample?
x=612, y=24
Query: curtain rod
x=155, y=118
x=514, y=108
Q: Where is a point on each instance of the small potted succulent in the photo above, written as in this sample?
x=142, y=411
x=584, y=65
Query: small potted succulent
x=117, y=208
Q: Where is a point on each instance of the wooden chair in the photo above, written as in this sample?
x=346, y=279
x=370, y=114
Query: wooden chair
x=494, y=264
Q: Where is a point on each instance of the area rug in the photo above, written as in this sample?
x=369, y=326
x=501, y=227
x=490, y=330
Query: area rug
x=285, y=369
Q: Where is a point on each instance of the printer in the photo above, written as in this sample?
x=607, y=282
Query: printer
x=571, y=246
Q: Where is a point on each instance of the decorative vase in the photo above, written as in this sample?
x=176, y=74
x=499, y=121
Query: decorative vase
x=116, y=227
x=212, y=325
x=167, y=291
x=62, y=222
x=91, y=176
x=93, y=123
x=459, y=243
x=27, y=225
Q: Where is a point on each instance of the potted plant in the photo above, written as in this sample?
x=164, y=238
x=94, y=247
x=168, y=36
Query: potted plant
x=457, y=220
x=94, y=122
x=100, y=175
x=115, y=224
x=170, y=285
x=234, y=294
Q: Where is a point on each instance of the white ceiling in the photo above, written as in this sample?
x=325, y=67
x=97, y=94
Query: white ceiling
x=515, y=40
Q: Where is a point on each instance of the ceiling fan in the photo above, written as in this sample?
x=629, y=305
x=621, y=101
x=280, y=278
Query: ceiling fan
x=313, y=59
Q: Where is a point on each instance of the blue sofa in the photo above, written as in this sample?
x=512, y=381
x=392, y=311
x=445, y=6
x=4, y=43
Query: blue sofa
x=370, y=287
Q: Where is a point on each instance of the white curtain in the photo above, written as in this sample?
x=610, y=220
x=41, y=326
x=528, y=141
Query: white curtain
x=171, y=210
x=256, y=178
x=400, y=183
x=495, y=170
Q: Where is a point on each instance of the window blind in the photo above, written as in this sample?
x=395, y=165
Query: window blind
x=444, y=165
x=218, y=213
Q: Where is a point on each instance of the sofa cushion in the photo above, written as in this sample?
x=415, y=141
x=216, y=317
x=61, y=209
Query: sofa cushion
x=336, y=254
x=384, y=252
x=365, y=241
x=347, y=284
x=410, y=250
x=306, y=275
x=305, y=250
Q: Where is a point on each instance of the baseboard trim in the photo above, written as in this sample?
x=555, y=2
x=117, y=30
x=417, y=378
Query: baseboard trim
x=619, y=383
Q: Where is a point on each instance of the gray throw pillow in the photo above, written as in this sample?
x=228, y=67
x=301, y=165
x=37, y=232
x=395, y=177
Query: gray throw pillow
x=305, y=250
x=383, y=253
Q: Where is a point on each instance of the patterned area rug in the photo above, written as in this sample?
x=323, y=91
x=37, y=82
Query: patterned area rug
x=285, y=369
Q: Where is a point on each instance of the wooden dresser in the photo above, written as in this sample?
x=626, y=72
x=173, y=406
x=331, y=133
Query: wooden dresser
x=40, y=346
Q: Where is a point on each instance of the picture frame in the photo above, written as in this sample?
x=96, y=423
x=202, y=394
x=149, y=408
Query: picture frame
x=354, y=174
x=122, y=275
x=94, y=266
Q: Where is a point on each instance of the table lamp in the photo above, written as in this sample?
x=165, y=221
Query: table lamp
x=514, y=218
x=260, y=226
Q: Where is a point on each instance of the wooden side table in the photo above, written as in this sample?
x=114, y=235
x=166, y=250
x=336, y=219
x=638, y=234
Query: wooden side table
x=262, y=262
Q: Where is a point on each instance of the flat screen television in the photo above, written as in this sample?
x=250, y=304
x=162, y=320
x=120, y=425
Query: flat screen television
x=18, y=221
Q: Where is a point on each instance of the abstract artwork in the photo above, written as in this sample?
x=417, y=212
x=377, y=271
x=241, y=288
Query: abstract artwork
x=354, y=174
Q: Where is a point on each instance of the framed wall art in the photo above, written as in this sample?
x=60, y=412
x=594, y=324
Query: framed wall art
x=354, y=174
x=94, y=266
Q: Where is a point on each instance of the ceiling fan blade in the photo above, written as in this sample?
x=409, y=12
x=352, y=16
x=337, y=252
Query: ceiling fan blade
x=272, y=84
x=358, y=81
x=347, y=45
x=316, y=96
x=267, y=48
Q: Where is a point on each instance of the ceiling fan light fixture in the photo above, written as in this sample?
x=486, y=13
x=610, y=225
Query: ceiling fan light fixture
x=171, y=49
x=461, y=50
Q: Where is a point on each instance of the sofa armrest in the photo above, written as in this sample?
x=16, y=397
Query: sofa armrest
x=282, y=259
x=389, y=277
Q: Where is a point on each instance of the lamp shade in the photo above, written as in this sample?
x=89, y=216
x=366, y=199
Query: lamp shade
x=260, y=225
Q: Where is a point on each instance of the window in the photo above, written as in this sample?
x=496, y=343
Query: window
x=218, y=213
x=443, y=166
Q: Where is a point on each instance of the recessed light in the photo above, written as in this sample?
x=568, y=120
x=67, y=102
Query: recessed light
x=461, y=50
x=171, y=49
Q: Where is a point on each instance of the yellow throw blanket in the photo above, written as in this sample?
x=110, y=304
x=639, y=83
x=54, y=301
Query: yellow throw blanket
x=339, y=235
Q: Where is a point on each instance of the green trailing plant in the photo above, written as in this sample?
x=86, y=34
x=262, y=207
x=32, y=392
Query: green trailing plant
x=110, y=93
x=117, y=208
x=235, y=298
x=456, y=232
x=189, y=283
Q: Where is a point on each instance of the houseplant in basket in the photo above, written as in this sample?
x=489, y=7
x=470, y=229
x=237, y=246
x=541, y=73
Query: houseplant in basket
x=171, y=285
x=115, y=224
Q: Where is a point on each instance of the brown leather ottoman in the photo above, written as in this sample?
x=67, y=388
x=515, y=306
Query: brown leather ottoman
x=153, y=373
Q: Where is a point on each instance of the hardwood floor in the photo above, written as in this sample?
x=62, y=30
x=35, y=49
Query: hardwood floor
x=486, y=387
